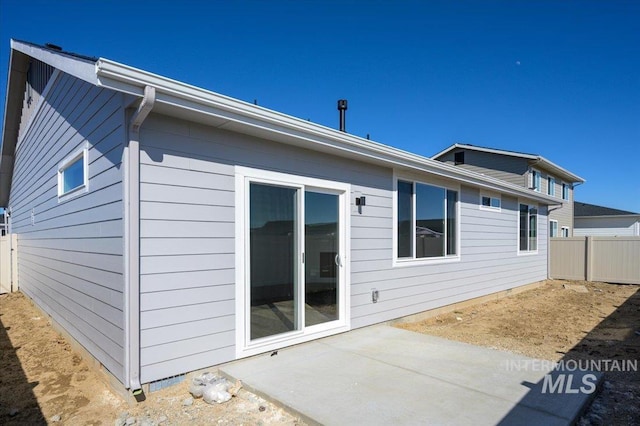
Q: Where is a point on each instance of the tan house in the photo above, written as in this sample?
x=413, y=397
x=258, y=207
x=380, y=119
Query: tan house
x=529, y=170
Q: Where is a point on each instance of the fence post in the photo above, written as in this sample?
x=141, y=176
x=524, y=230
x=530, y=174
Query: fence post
x=13, y=253
x=588, y=248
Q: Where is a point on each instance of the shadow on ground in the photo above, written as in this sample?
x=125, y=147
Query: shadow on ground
x=612, y=348
x=18, y=404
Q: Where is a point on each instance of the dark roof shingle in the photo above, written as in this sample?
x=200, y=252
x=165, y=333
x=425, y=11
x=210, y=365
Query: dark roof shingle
x=585, y=209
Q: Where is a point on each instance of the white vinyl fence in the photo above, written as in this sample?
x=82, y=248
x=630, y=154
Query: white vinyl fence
x=608, y=259
x=8, y=264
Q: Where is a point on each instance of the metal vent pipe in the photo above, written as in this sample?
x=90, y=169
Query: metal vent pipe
x=342, y=107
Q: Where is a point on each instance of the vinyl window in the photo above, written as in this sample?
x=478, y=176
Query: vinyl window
x=73, y=175
x=551, y=186
x=535, y=180
x=553, y=228
x=427, y=221
x=528, y=228
x=490, y=202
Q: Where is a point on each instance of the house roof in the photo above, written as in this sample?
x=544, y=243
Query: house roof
x=581, y=209
x=533, y=159
x=192, y=103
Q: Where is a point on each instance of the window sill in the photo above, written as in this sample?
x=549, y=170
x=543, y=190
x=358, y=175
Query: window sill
x=425, y=261
x=491, y=209
x=75, y=192
x=527, y=253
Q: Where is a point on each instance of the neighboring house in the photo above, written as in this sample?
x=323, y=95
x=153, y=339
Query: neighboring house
x=527, y=170
x=168, y=228
x=592, y=220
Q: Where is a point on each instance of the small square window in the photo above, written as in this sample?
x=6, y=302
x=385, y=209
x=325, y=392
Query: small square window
x=458, y=158
x=490, y=202
x=72, y=174
x=565, y=232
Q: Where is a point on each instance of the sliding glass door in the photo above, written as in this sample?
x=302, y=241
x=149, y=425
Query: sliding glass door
x=273, y=242
x=295, y=254
x=322, y=257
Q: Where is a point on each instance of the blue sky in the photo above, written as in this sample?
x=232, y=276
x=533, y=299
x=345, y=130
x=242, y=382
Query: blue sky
x=556, y=78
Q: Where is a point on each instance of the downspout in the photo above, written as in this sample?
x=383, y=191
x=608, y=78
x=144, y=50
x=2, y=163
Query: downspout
x=132, y=243
x=573, y=208
x=7, y=232
x=549, y=210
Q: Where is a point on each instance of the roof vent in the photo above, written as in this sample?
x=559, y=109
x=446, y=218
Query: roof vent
x=53, y=47
x=342, y=107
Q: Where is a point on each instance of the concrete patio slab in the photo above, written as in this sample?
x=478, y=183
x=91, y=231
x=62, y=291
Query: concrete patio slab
x=385, y=375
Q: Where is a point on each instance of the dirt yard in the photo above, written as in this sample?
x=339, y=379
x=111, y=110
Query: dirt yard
x=43, y=381
x=559, y=321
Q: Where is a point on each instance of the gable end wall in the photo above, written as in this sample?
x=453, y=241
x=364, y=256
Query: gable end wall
x=504, y=167
x=70, y=254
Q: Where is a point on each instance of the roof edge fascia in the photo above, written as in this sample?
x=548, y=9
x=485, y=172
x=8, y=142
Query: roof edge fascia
x=83, y=69
x=560, y=170
x=483, y=149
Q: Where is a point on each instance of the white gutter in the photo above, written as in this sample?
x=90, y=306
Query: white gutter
x=132, y=243
x=577, y=180
x=180, y=95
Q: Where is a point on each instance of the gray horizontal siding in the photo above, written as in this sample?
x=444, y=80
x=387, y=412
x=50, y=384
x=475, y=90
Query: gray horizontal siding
x=187, y=222
x=38, y=76
x=489, y=263
x=505, y=167
x=188, y=234
x=70, y=258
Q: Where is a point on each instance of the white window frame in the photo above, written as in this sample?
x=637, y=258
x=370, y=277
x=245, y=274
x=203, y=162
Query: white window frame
x=244, y=176
x=551, y=222
x=491, y=197
x=551, y=186
x=565, y=188
x=413, y=261
x=528, y=252
x=536, y=174
x=82, y=153
x=563, y=229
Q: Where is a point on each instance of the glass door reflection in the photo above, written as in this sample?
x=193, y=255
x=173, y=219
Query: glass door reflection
x=322, y=258
x=273, y=255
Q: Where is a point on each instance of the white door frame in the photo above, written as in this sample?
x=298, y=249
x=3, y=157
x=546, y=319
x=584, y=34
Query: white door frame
x=243, y=177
